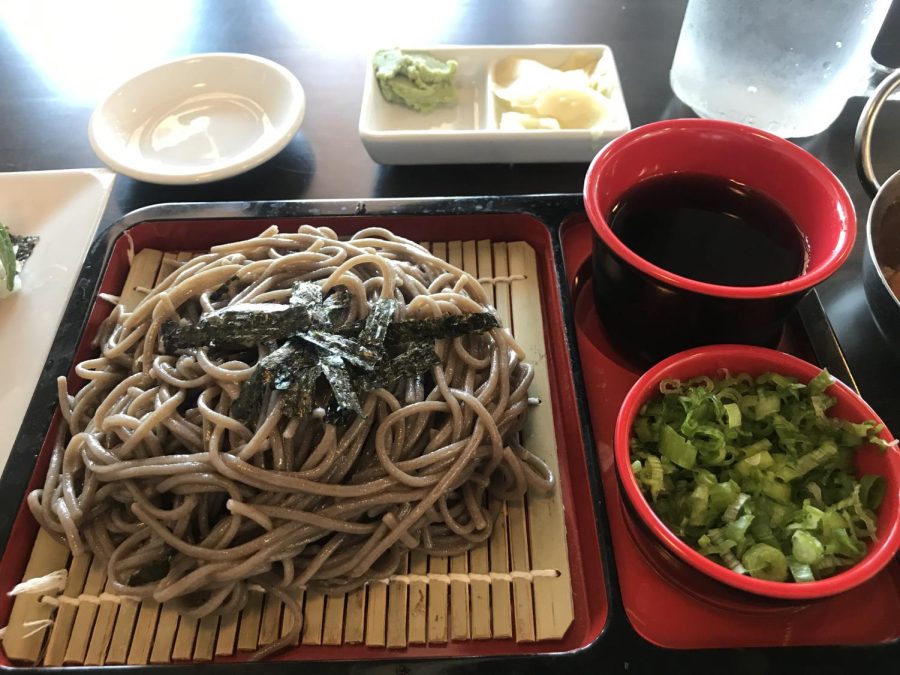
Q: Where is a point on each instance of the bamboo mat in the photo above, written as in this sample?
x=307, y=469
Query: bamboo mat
x=517, y=585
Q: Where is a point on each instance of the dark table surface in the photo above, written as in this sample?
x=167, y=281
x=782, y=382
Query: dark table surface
x=57, y=62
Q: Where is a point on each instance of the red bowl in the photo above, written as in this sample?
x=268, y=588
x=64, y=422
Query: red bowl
x=792, y=177
x=635, y=298
x=869, y=459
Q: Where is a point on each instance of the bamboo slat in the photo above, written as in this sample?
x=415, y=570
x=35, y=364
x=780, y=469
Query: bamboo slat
x=418, y=598
x=554, y=611
x=23, y=643
x=523, y=604
x=397, y=609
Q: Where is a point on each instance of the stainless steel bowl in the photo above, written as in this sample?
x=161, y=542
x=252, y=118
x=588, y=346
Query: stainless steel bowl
x=885, y=305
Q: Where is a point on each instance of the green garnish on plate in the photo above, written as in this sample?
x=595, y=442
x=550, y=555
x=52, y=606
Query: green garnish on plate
x=14, y=251
x=752, y=473
x=7, y=258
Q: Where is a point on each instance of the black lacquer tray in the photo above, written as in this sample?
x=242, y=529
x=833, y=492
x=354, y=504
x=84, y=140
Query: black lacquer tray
x=616, y=645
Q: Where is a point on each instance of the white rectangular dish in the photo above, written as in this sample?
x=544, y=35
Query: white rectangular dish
x=468, y=132
x=63, y=209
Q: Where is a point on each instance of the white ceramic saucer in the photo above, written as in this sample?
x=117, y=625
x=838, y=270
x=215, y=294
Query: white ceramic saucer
x=198, y=119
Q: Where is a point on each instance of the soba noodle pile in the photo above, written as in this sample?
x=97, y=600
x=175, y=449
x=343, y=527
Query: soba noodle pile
x=184, y=501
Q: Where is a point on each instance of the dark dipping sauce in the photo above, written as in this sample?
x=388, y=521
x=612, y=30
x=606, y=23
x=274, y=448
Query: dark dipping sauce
x=710, y=229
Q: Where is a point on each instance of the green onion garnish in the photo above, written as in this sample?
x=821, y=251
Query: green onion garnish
x=755, y=475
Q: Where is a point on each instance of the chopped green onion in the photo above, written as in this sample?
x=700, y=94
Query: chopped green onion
x=670, y=386
x=723, y=548
x=652, y=476
x=775, y=489
x=733, y=413
x=731, y=513
x=820, y=383
x=754, y=474
x=872, y=489
x=699, y=501
x=767, y=404
x=806, y=548
x=758, y=460
x=801, y=573
x=678, y=450
x=737, y=530
x=765, y=562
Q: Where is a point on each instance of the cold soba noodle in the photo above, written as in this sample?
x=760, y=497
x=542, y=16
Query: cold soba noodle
x=291, y=411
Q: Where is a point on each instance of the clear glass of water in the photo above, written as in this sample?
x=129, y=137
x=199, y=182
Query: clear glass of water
x=785, y=66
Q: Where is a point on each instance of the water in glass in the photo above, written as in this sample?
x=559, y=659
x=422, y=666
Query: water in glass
x=786, y=67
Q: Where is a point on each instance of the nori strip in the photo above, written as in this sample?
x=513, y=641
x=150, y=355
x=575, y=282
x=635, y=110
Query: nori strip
x=301, y=398
x=283, y=363
x=348, y=349
x=323, y=312
x=334, y=309
x=340, y=417
x=437, y=328
x=306, y=293
x=248, y=324
x=377, y=323
x=418, y=358
x=243, y=325
x=276, y=371
x=366, y=355
x=434, y=328
x=341, y=384
x=247, y=405
x=24, y=244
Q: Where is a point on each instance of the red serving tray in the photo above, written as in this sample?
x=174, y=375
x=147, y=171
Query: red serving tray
x=588, y=580
x=668, y=602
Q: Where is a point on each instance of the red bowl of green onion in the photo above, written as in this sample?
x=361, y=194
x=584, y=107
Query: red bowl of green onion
x=761, y=471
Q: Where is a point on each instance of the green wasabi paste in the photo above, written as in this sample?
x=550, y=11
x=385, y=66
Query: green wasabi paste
x=417, y=81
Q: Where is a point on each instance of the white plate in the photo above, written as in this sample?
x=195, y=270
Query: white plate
x=467, y=132
x=63, y=208
x=198, y=119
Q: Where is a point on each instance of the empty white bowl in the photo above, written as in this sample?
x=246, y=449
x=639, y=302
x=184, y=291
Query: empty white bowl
x=198, y=119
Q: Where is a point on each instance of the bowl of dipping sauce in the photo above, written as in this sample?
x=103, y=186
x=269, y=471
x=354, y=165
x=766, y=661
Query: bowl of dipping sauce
x=796, y=478
x=709, y=232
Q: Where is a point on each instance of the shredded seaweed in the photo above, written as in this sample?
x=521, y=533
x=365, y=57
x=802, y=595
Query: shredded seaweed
x=437, y=328
x=24, y=244
x=236, y=326
x=315, y=360
x=378, y=323
x=417, y=358
x=14, y=251
x=340, y=382
x=304, y=395
x=248, y=324
x=324, y=312
x=346, y=348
